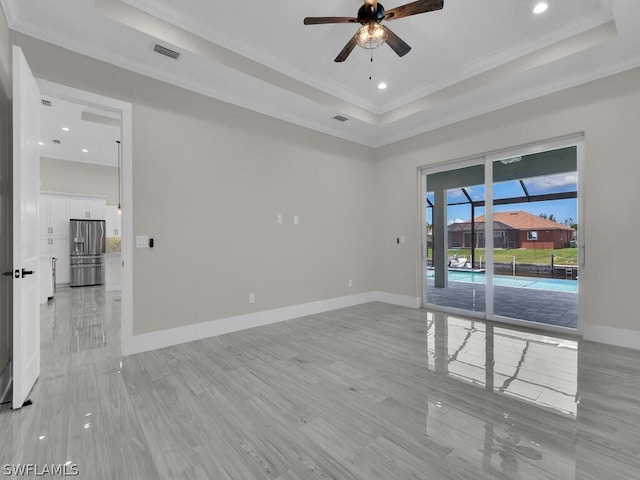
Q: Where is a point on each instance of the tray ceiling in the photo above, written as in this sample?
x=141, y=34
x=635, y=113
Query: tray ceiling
x=467, y=59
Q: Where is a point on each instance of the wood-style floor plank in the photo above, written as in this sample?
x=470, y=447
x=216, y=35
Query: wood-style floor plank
x=363, y=393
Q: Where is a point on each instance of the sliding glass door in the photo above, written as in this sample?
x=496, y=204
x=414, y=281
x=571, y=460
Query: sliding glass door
x=535, y=216
x=501, y=236
x=454, y=198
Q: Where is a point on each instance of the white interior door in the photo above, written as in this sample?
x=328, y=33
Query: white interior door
x=26, y=187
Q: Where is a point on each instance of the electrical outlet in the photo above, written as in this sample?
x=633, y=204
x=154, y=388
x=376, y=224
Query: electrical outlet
x=252, y=298
x=350, y=284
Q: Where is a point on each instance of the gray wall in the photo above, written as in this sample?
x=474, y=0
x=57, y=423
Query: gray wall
x=5, y=193
x=608, y=112
x=76, y=177
x=209, y=180
x=209, y=193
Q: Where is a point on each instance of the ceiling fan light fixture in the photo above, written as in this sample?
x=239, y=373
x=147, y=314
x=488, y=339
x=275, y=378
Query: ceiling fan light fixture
x=371, y=35
x=540, y=7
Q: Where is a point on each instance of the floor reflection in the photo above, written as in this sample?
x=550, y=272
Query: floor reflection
x=531, y=367
x=520, y=403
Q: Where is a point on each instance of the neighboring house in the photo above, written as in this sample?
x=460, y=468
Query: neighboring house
x=513, y=230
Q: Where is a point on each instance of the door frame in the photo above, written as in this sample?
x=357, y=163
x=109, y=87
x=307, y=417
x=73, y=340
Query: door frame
x=573, y=140
x=125, y=110
x=475, y=160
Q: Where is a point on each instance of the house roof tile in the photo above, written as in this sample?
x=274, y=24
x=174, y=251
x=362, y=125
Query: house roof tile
x=525, y=221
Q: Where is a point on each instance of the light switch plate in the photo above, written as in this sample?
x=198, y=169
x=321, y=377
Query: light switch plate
x=142, y=241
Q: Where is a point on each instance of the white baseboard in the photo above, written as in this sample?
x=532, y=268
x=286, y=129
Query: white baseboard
x=620, y=337
x=189, y=333
x=395, y=299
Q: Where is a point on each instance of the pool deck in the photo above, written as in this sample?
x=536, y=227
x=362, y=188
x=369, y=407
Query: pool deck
x=541, y=306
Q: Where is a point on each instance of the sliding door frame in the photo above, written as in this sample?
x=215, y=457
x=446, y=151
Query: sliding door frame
x=472, y=161
x=575, y=140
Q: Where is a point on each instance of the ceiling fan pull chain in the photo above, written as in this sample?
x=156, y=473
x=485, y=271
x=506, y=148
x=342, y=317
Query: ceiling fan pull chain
x=371, y=52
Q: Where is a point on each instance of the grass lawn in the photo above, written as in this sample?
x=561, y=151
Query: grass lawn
x=563, y=256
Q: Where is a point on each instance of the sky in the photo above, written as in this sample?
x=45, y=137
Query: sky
x=560, y=209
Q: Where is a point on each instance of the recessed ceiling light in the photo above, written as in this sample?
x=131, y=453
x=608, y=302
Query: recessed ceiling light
x=84, y=150
x=65, y=129
x=382, y=86
x=40, y=143
x=540, y=7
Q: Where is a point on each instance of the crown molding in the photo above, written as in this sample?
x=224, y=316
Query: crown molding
x=310, y=108
x=9, y=12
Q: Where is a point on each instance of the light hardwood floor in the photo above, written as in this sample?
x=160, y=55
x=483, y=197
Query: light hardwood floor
x=369, y=392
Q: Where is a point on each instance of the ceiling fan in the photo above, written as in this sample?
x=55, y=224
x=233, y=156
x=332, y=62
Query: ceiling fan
x=372, y=34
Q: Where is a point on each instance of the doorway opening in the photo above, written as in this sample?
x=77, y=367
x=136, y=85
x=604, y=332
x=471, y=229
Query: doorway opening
x=86, y=178
x=501, y=236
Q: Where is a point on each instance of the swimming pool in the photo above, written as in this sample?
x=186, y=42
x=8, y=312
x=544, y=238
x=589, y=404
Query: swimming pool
x=553, y=284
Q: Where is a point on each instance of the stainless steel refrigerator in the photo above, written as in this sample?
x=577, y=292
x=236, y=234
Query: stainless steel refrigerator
x=87, y=249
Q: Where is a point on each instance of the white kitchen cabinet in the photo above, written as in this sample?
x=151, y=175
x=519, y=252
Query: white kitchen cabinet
x=96, y=208
x=58, y=247
x=54, y=215
x=114, y=222
x=81, y=208
x=45, y=226
x=45, y=246
x=112, y=271
x=78, y=208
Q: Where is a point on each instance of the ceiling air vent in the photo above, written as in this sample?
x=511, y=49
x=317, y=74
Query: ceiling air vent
x=97, y=118
x=340, y=118
x=167, y=52
x=57, y=142
x=46, y=103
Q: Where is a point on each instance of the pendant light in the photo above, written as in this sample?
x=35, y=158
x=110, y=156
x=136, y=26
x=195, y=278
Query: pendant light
x=119, y=189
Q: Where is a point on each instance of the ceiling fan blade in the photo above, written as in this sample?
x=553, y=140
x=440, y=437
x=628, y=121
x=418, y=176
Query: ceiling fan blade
x=323, y=20
x=348, y=48
x=413, y=8
x=396, y=43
